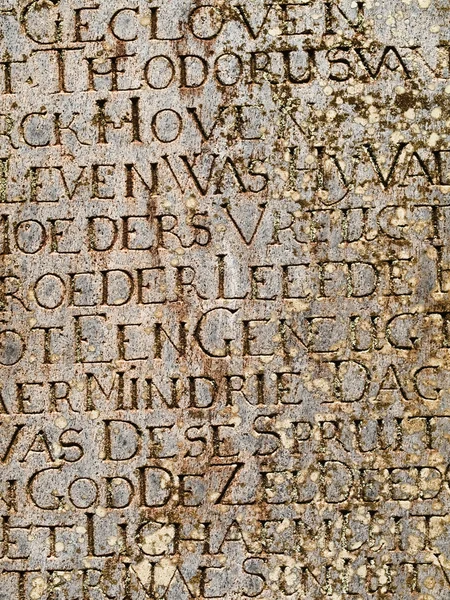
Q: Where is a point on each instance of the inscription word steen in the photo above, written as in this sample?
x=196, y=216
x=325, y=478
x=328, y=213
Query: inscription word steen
x=224, y=296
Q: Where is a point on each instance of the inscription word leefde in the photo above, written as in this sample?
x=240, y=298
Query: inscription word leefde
x=224, y=300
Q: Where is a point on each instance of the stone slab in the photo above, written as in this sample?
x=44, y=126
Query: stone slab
x=225, y=318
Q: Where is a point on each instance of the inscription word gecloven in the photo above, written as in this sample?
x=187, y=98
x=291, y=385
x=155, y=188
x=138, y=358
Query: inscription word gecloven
x=224, y=299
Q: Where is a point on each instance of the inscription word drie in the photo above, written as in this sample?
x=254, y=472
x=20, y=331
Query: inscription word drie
x=224, y=300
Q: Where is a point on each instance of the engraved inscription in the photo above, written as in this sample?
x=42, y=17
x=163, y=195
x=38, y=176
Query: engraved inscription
x=224, y=300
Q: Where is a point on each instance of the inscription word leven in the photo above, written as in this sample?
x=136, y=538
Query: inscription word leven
x=224, y=300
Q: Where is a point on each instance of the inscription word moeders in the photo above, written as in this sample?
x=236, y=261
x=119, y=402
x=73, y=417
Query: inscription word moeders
x=224, y=300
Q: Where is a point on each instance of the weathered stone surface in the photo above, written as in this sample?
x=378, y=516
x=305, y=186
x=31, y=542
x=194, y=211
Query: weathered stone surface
x=225, y=327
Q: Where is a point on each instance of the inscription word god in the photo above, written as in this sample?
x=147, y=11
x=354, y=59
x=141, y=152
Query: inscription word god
x=224, y=299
